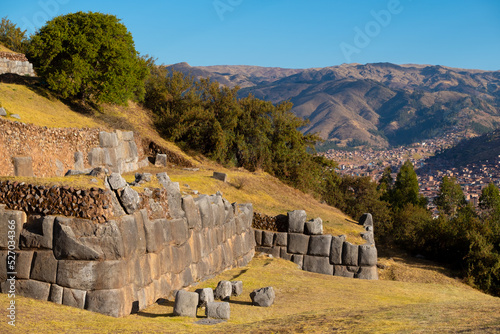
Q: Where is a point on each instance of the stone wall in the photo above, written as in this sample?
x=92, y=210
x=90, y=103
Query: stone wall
x=15, y=63
x=125, y=264
x=305, y=244
x=53, y=150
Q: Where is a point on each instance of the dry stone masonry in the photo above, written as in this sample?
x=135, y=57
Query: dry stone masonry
x=16, y=64
x=123, y=263
x=305, y=244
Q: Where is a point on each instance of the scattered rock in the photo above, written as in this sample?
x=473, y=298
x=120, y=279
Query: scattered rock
x=207, y=321
x=237, y=288
x=206, y=295
x=218, y=310
x=161, y=160
x=16, y=116
x=116, y=181
x=223, y=290
x=130, y=199
x=220, y=176
x=3, y=112
x=263, y=297
x=186, y=304
x=78, y=157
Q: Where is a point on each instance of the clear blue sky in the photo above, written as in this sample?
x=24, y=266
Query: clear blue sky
x=295, y=33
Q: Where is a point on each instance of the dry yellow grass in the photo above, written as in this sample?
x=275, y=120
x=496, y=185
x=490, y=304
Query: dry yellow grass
x=305, y=303
x=3, y=48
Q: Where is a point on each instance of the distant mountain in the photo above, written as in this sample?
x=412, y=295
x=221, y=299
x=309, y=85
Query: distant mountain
x=378, y=104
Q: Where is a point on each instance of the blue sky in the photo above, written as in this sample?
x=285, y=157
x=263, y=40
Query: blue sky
x=295, y=33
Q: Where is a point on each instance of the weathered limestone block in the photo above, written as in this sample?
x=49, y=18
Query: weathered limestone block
x=223, y=290
x=161, y=160
x=273, y=251
x=56, y=294
x=368, y=236
x=298, y=259
x=318, y=264
x=229, y=210
x=342, y=271
x=23, y=166
x=3, y=112
x=116, y=181
x=112, y=302
x=298, y=243
x=38, y=232
x=33, y=289
x=349, y=254
x=108, y=139
x=24, y=261
x=81, y=239
x=96, y=157
x=205, y=209
x=220, y=176
x=336, y=250
x=263, y=297
x=218, y=209
x=296, y=221
x=74, y=297
x=267, y=238
x=6, y=217
x=186, y=304
x=284, y=255
x=218, y=310
x=179, y=232
x=192, y=213
x=173, y=195
x=79, y=162
x=366, y=219
x=281, y=239
x=92, y=275
x=367, y=255
x=320, y=245
x=206, y=295
x=314, y=227
x=367, y=273
x=129, y=198
x=154, y=233
x=133, y=235
x=44, y=267
x=237, y=288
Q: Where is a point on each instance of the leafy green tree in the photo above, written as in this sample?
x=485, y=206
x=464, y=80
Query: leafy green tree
x=12, y=36
x=450, y=197
x=88, y=56
x=489, y=202
x=406, y=189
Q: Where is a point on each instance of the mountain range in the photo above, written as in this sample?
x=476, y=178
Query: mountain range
x=379, y=104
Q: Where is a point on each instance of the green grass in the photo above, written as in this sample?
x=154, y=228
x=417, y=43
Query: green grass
x=305, y=303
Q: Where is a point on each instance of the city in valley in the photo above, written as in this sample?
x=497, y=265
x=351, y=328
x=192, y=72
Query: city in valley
x=371, y=163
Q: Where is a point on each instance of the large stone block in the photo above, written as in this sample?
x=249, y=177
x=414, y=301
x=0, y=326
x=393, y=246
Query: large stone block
x=116, y=181
x=79, y=162
x=11, y=225
x=298, y=259
x=24, y=261
x=195, y=243
x=96, y=157
x=284, y=255
x=206, y=212
x=263, y=297
x=23, y=166
x=56, y=294
x=161, y=160
x=220, y=176
x=38, y=232
x=318, y=264
x=366, y=219
x=296, y=221
x=108, y=139
x=92, y=275
x=218, y=310
x=174, y=197
x=274, y=251
x=336, y=250
x=129, y=198
x=367, y=255
x=81, y=239
x=179, y=232
x=133, y=235
x=368, y=236
x=154, y=233
x=206, y=295
x=192, y=213
x=186, y=304
x=349, y=254
x=237, y=288
x=314, y=227
x=74, y=297
x=320, y=245
x=342, y=271
x=112, y=302
x=367, y=273
x=298, y=243
x=223, y=290
x=281, y=239
x=33, y=289
x=267, y=238
x=44, y=267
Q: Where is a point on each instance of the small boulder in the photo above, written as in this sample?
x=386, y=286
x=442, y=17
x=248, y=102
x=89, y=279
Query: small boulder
x=3, y=112
x=223, y=290
x=16, y=116
x=263, y=297
x=161, y=160
x=220, y=176
x=217, y=310
x=186, y=304
x=116, y=181
x=237, y=288
x=130, y=199
x=205, y=296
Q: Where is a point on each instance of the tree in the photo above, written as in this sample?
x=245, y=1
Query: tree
x=88, y=56
x=406, y=189
x=450, y=197
x=12, y=36
x=489, y=202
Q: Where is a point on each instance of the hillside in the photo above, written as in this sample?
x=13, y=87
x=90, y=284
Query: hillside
x=424, y=300
x=380, y=104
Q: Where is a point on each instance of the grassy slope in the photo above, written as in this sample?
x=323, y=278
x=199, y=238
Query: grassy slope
x=305, y=302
